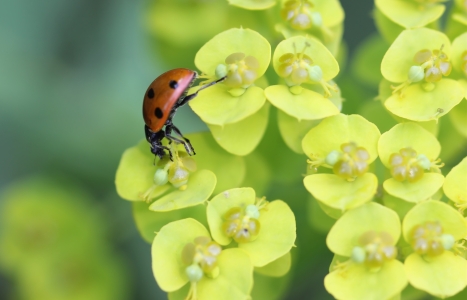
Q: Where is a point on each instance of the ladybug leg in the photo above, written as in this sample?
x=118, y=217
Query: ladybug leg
x=184, y=138
x=185, y=142
x=189, y=97
x=155, y=141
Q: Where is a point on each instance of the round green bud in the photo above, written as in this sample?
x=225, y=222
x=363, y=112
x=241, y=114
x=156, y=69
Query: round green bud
x=296, y=89
x=315, y=73
x=416, y=73
x=161, y=177
x=316, y=19
x=332, y=158
x=358, y=255
x=252, y=211
x=221, y=71
x=447, y=241
x=423, y=161
x=194, y=273
x=237, y=92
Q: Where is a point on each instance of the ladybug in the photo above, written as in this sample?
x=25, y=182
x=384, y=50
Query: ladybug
x=162, y=99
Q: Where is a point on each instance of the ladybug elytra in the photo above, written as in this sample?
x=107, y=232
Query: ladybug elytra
x=162, y=99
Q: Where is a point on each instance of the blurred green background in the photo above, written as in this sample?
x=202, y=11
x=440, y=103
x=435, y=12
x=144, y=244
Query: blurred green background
x=72, y=78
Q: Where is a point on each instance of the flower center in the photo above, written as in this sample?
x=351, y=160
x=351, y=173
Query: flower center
x=201, y=258
x=407, y=165
x=350, y=162
x=242, y=224
x=375, y=248
x=428, y=238
x=241, y=70
x=434, y=63
x=300, y=15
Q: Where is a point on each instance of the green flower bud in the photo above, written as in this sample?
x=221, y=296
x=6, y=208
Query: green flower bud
x=316, y=19
x=315, y=73
x=194, y=273
x=252, y=211
x=161, y=177
x=424, y=162
x=447, y=240
x=332, y=157
x=358, y=255
x=416, y=73
x=221, y=71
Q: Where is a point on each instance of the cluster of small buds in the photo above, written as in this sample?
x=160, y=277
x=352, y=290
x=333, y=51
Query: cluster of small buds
x=428, y=239
x=297, y=68
x=375, y=248
x=350, y=163
x=242, y=224
x=300, y=15
x=200, y=257
x=241, y=70
x=407, y=165
x=464, y=62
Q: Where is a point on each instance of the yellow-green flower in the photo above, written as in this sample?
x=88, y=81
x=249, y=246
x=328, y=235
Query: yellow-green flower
x=348, y=145
x=265, y=230
x=242, y=56
x=364, y=242
x=433, y=228
x=183, y=252
x=455, y=186
x=419, y=60
x=411, y=154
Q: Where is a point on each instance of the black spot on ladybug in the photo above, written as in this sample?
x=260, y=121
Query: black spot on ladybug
x=151, y=93
x=158, y=113
x=173, y=84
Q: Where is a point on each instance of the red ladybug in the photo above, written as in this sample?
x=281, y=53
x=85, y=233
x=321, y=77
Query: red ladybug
x=162, y=99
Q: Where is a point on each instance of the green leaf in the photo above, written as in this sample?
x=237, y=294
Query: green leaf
x=241, y=138
x=415, y=192
x=418, y=104
x=441, y=276
x=230, y=170
x=357, y=282
x=455, y=186
x=271, y=288
x=308, y=105
x=458, y=47
x=410, y=14
x=458, y=116
x=338, y=193
x=150, y=222
x=216, y=106
x=344, y=235
x=167, y=264
x=367, y=58
x=387, y=28
x=292, y=130
x=252, y=4
x=277, y=268
x=318, y=219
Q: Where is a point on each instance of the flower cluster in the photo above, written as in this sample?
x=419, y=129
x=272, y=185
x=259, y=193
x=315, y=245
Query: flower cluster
x=384, y=180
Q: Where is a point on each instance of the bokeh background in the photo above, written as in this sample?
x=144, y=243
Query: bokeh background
x=72, y=78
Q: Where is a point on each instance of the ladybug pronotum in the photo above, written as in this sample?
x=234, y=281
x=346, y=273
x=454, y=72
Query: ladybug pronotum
x=162, y=99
